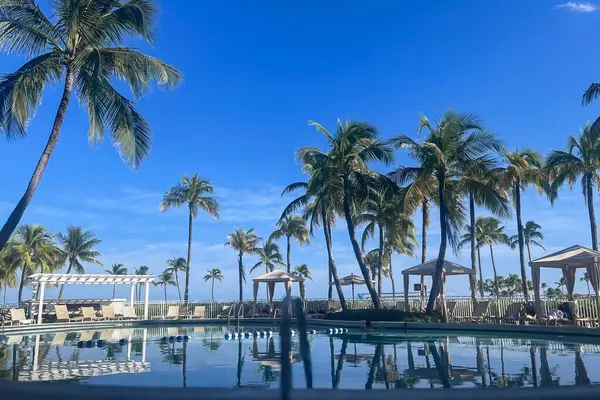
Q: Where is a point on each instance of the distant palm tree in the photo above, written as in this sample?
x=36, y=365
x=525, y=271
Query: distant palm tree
x=522, y=169
x=176, y=265
x=303, y=272
x=33, y=249
x=532, y=235
x=291, y=227
x=142, y=270
x=269, y=256
x=513, y=284
x=116, y=269
x=586, y=278
x=466, y=238
x=194, y=193
x=78, y=246
x=213, y=274
x=165, y=279
x=82, y=42
x=452, y=142
x=8, y=274
x=581, y=159
x=243, y=242
x=492, y=233
x=562, y=282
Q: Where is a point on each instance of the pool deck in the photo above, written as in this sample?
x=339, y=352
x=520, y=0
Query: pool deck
x=388, y=327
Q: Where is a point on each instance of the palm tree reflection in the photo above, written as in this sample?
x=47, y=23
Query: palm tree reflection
x=373, y=367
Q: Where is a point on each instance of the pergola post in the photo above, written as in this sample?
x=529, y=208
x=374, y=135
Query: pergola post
x=146, y=300
x=132, y=295
x=42, y=286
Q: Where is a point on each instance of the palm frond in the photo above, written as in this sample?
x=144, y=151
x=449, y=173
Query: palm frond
x=591, y=93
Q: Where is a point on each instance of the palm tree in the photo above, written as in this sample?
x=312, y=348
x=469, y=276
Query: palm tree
x=194, y=193
x=84, y=41
x=142, y=270
x=176, y=265
x=581, y=159
x=562, y=282
x=585, y=278
x=492, y=233
x=401, y=242
x=291, y=227
x=8, y=274
x=116, y=269
x=521, y=169
x=453, y=143
x=78, y=246
x=213, y=274
x=32, y=248
x=320, y=204
x=532, y=235
x=243, y=242
x=269, y=256
x=165, y=279
x=467, y=238
x=513, y=284
x=303, y=271
x=351, y=147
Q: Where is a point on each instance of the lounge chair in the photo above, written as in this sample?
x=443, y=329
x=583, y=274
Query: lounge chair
x=402, y=306
x=199, y=312
x=59, y=338
x=86, y=336
x=450, y=307
x=62, y=314
x=129, y=313
x=17, y=316
x=172, y=313
x=513, y=314
x=90, y=313
x=108, y=312
x=479, y=314
x=225, y=312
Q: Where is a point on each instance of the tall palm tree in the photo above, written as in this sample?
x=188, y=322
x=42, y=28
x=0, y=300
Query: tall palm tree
x=33, y=249
x=291, y=227
x=492, y=233
x=269, y=256
x=522, y=169
x=244, y=242
x=165, y=279
x=532, y=235
x=78, y=245
x=213, y=274
x=303, y=271
x=116, y=269
x=142, y=270
x=194, y=192
x=582, y=159
x=177, y=265
x=84, y=41
x=320, y=204
x=383, y=211
x=467, y=238
x=397, y=241
x=452, y=143
x=562, y=282
x=351, y=148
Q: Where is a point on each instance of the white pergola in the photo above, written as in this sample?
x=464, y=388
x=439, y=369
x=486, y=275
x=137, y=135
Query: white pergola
x=89, y=279
x=270, y=279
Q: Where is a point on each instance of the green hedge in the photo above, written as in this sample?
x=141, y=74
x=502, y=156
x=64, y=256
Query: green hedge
x=383, y=315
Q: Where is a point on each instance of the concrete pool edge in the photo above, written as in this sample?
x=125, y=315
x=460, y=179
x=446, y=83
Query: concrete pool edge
x=381, y=326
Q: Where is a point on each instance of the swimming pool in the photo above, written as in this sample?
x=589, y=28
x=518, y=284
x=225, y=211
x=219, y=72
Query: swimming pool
x=201, y=356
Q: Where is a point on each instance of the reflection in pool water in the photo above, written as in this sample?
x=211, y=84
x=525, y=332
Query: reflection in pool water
x=154, y=357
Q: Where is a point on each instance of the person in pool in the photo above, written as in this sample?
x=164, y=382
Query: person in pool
x=366, y=326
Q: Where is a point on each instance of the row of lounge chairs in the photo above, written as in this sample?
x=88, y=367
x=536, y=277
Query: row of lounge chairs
x=17, y=315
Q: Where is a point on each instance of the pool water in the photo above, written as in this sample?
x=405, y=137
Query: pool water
x=162, y=357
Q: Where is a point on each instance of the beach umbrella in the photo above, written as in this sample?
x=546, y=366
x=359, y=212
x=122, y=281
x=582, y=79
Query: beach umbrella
x=352, y=280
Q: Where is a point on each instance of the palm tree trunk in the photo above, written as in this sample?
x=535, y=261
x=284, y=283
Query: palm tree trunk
x=496, y=283
x=380, y=262
x=392, y=279
x=114, y=289
x=358, y=254
x=213, y=290
x=165, y=288
x=473, y=240
x=332, y=266
x=330, y=289
x=6, y=288
x=425, y=217
x=177, y=284
x=189, y=260
x=21, y=285
x=439, y=265
x=587, y=282
x=373, y=368
x=590, y=203
x=289, y=266
x=241, y=276
x=480, y=272
x=17, y=213
x=62, y=287
x=521, y=239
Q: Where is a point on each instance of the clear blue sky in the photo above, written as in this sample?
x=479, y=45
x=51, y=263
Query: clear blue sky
x=256, y=72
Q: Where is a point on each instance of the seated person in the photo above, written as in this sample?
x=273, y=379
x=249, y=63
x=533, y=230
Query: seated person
x=566, y=310
x=529, y=312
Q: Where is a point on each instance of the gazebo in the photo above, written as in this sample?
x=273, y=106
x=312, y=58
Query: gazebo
x=428, y=269
x=89, y=279
x=569, y=260
x=273, y=277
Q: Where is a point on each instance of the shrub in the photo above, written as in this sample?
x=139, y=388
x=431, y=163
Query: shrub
x=383, y=315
